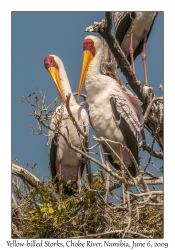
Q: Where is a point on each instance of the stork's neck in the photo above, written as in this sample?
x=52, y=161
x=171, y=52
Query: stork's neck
x=66, y=85
x=93, y=83
x=94, y=67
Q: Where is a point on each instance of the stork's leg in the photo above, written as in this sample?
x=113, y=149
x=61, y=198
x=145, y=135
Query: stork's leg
x=79, y=176
x=131, y=50
x=60, y=176
x=107, y=175
x=123, y=174
x=144, y=59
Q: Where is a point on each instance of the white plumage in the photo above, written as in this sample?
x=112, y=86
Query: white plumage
x=63, y=159
x=101, y=90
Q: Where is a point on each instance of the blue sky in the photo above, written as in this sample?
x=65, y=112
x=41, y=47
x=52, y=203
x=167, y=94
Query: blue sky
x=38, y=34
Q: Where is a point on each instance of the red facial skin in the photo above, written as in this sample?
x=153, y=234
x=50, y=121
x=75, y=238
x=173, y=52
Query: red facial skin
x=89, y=45
x=49, y=61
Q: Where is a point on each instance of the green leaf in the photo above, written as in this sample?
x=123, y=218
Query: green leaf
x=37, y=234
x=55, y=223
x=74, y=223
x=69, y=182
x=116, y=161
x=44, y=209
x=95, y=219
x=51, y=210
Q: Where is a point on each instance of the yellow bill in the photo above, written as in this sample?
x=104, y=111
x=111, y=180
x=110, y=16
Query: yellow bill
x=56, y=78
x=87, y=58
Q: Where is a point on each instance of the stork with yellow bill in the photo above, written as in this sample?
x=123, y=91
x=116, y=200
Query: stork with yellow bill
x=115, y=114
x=65, y=162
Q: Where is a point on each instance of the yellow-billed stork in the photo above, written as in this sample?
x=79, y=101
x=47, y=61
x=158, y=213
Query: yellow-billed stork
x=132, y=30
x=114, y=114
x=63, y=160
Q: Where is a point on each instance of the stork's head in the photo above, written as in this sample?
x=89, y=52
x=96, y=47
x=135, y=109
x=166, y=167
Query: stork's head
x=91, y=45
x=52, y=63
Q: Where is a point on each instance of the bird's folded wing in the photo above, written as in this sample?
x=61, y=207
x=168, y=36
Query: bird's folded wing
x=122, y=117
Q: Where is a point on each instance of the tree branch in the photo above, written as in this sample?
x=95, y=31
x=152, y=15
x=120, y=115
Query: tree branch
x=145, y=146
x=25, y=175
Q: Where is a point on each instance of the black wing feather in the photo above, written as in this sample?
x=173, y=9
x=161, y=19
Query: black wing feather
x=128, y=135
x=124, y=26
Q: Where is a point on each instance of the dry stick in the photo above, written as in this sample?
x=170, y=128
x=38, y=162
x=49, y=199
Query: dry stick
x=148, y=193
x=145, y=146
x=25, y=175
x=18, y=210
x=150, y=174
x=153, y=181
x=84, y=96
x=101, y=155
x=149, y=160
x=154, y=204
x=22, y=205
x=111, y=232
x=107, y=179
x=94, y=146
x=129, y=215
x=161, y=87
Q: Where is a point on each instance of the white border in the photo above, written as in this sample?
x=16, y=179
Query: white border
x=5, y=96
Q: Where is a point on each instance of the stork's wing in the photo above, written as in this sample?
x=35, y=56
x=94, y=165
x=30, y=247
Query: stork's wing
x=128, y=134
x=139, y=48
x=137, y=104
x=122, y=23
x=127, y=112
x=52, y=147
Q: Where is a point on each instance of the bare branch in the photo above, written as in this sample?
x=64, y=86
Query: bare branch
x=25, y=175
x=161, y=87
x=145, y=146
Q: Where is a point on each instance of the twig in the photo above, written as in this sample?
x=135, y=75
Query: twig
x=148, y=193
x=145, y=146
x=17, y=212
x=84, y=96
x=161, y=87
x=129, y=215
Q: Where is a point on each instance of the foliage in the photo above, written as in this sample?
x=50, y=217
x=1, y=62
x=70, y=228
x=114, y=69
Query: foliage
x=84, y=214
